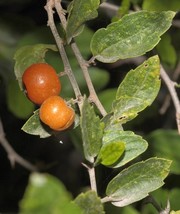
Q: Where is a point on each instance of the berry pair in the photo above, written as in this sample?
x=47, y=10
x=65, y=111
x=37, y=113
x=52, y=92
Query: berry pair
x=43, y=86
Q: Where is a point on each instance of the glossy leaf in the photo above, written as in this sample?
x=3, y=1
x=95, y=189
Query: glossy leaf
x=17, y=102
x=92, y=131
x=110, y=153
x=137, y=181
x=89, y=203
x=27, y=55
x=46, y=194
x=80, y=12
x=133, y=35
x=34, y=126
x=137, y=91
x=165, y=144
x=134, y=145
x=161, y=5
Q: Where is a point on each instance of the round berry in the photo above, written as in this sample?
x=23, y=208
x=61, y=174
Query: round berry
x=55, y=113
x=41, y=81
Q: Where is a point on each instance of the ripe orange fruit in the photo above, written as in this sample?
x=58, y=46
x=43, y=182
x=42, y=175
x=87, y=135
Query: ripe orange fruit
x=55, y=113
x=41, y=81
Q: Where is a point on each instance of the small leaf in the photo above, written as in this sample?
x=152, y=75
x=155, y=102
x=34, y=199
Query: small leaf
x=27, y=55
x=137, y=91
x=161, y=5
x=133, y=35
x=92, y=131
x=34, y=126
x=110, y=153
x=135, y=182
x=17, y=102
x=134, y=144
x=90, y=203
x=80, y=12
x=46, y=194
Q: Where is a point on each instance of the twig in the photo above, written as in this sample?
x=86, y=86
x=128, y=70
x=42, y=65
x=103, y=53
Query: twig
x=92, y=177
x=67, y=67
x=171, y=87
x=60, y=12
x=176, y=23
x=84, y=67
x=167, y=99
x=12, y=155
x=106, y=199
x=83, y=64
x=109, y=6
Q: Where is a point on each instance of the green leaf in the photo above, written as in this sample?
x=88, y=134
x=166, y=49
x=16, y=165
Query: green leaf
x=161, y=5
x=131, y=36
x=92, y=131
x=137, y=91
x=34, y=126
x=27, y=55
x=80, y=12
x=110, y=153
x=90, y=203
x=123, y=9
x=137, y=181
x=46, y=194
x=165, y=144
x=134, y=145
x=17, y=102
x=107, y=97
x=167, y=51
x=175, y=212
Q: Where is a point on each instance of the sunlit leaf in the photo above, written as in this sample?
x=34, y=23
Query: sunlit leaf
x=110, y=153
x=92, y=131
x=137, y=91
x=134, y=144
x=80, y=12
x=135, y=182
x=131, y=36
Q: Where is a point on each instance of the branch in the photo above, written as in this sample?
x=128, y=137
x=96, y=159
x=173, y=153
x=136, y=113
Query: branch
x=67, y=67
x=12, y=155
x=60, y=12
x=167, y=99
x=83, y=64
x=84, y=67
x=92, y=177
x=171, y=87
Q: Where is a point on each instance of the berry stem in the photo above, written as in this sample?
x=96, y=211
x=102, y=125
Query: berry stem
x=59, y=42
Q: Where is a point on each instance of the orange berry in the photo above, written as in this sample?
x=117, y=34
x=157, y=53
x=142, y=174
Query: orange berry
x=55, y=113
x=41, y=81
